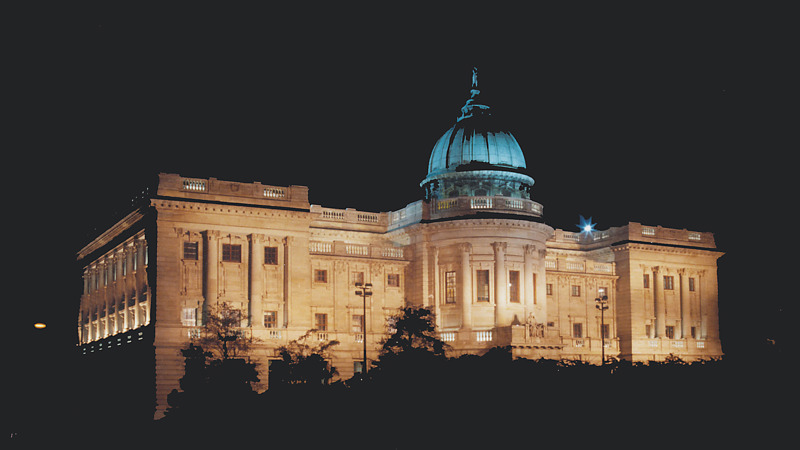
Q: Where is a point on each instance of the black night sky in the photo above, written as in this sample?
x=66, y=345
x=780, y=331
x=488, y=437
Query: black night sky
x=667, y=115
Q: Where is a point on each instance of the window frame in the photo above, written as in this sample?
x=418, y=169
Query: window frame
x=232, y=253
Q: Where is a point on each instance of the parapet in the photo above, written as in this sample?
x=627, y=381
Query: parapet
x=212, y=189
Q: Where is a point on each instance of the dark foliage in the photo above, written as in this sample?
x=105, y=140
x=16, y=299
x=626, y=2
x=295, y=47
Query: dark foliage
x=211, y=389
x=416, y=397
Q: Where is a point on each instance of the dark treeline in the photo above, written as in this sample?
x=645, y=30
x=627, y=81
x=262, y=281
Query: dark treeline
x=416, y=397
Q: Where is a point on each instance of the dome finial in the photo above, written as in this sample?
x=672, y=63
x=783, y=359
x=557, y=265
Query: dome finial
x=467, y=110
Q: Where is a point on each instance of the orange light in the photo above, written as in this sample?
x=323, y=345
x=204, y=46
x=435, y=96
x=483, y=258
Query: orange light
x=39, y=325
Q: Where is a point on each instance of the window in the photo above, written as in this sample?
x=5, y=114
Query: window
x=450, y=287
x=124, y=266
x=393, y=280
x=482, y=281
x=577, y=330
x=321, y=322
x=670, y=331
x=358, y=278
x=270, y=319
x=231, y=253
x=271, y=256
x=320, y=276
x=668, y=282
x=513, y=286
x=576, y=290
x=189, y=317
x=646, y=281
x=604, y=331
x=549, y=288
x=190, y=251
x=691, y=285
x=694, y=332
x=647, y=330
x=358, y=323
x=602, y=292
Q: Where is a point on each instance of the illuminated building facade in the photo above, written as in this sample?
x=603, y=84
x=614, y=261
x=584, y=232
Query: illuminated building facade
x=475, y=250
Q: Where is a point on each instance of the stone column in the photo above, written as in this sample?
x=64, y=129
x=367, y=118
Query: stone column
x=256, y=280
x=658, y=303
x=466, y=287
x=529, y=285
x=500, y=283
x=686, y=317
x=211, y=267
x=287, y=277
x=437, y=298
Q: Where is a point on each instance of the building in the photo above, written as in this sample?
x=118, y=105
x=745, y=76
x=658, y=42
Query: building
x=476, y=250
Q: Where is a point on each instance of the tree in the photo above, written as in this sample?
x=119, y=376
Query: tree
x=412, y=347
x=302, y=364
x=414, y=328
x=222, y=332
x=216, y=378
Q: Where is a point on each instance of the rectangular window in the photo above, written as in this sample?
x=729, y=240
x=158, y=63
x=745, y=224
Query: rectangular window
x=358, y=366
x=646, y=281
x=604, y=331
x=321, y=322
x=270, y=319
x=358, y=278
x=602, y=292
x=482, y=282
x=231, y=253
x=190, y=251
x=358, y=323
x=668, y=282
x=549, y=288
x=576, y=290
x=694, y=332
x=271, y=256
x=124, y=266
x=513, y=286
x=393, y=280
x=670, y=331
x=577, y=330
x=691, y=284
x=450, y=287
x=189, y=317
x=647, y=330
x=320, y=276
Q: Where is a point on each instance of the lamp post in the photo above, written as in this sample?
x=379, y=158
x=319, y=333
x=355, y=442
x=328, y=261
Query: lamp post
x=602, y=305
x=364, y=290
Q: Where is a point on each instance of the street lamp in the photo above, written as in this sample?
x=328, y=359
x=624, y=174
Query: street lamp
x=602, y=305
x=364, y=290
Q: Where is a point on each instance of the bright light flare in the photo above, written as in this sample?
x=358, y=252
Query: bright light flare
x=586, y=225
x=39, y=325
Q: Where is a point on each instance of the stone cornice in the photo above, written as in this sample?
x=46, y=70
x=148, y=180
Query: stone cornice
x=108, y=235
x=165, y=204
x=666, y=248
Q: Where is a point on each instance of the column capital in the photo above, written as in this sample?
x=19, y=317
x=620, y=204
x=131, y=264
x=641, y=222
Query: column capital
x=500, y=246
x=530, y=250
x=465, y=247
x=655, y=269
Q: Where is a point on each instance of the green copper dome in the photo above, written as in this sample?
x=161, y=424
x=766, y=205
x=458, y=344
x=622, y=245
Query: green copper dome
x=477, y=156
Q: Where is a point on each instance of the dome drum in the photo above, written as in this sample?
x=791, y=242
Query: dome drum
x=478, y=183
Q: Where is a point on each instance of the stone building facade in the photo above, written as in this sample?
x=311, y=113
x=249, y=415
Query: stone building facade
x=475, y=250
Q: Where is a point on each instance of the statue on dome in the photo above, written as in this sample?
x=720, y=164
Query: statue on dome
x=474, y=78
